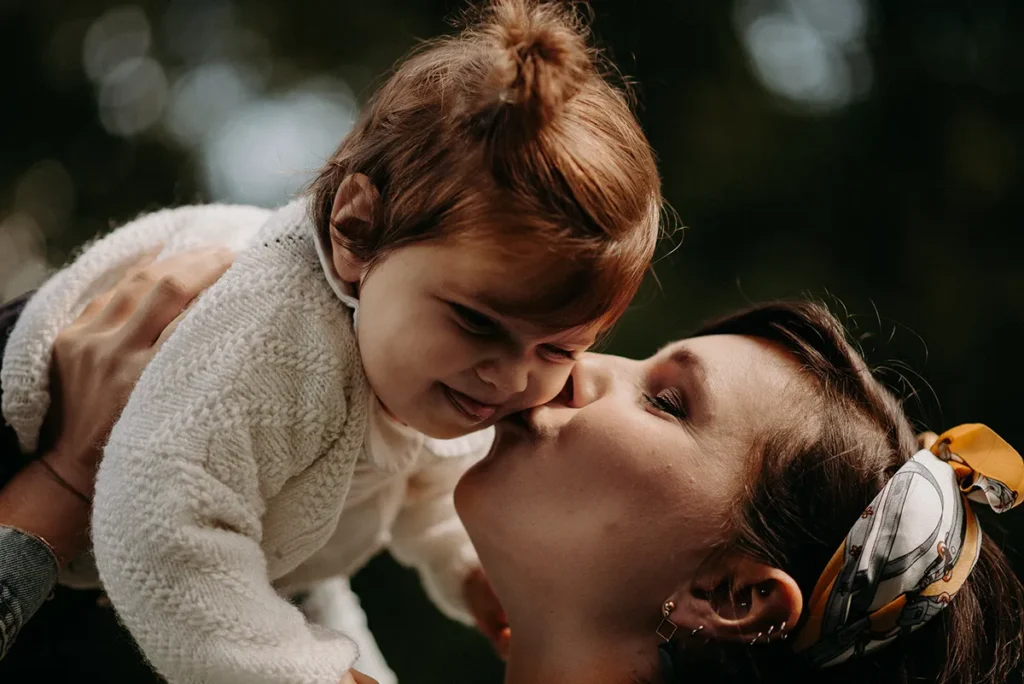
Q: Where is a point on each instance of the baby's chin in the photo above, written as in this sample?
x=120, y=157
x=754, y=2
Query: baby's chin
x=445, y=427
x=438, y=430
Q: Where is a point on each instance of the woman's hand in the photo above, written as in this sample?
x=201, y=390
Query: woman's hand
x=98, y=358
x=96, y=362
x=487, y=611
x=353, y=677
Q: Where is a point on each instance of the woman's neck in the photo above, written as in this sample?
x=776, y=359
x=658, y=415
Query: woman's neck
x=559, y=651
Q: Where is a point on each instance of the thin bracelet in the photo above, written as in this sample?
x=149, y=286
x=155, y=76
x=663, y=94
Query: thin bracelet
x=64, y=483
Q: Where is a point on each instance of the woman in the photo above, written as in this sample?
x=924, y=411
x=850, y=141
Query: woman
x=692, y=501
x=701, y=494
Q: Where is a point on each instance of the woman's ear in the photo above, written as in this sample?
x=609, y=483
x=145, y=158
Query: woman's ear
x=355, y=209
x=746, y=600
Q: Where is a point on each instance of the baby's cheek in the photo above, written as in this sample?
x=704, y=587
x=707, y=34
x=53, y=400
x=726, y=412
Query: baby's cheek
x=549, y=384
x=455, y=349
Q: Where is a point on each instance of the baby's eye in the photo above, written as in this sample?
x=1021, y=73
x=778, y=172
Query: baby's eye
x=474, y=322
x=556, y=353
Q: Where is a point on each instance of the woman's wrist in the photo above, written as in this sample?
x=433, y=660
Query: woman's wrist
x=74, y=468
x=35, y=503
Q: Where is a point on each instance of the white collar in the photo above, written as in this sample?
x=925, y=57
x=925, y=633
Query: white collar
x=342, y=289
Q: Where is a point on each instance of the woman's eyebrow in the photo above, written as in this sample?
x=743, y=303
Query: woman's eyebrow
x=691, y=365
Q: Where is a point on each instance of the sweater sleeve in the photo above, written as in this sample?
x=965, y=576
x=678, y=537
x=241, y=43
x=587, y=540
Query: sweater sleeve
x=25, y=372
x=190, y=493
x=428, y=535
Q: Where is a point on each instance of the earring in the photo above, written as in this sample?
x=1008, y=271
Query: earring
x=667, y=629
x=772, y=629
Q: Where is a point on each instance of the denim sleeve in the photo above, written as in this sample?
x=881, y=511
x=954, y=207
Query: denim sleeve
x=28, y=572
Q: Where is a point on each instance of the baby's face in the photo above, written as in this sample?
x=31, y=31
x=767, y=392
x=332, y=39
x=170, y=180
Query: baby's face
x=439, y=353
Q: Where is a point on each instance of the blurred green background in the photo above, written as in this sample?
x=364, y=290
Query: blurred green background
x=864, y=152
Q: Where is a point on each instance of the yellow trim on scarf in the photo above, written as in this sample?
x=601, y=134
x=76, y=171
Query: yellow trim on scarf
x=983, y=452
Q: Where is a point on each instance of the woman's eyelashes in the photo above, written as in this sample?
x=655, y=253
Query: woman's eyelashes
x=670, y=401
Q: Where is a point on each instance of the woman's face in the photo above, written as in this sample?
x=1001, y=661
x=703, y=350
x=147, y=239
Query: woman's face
x=605, y=499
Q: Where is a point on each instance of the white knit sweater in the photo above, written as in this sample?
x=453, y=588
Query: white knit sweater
x=251, y=452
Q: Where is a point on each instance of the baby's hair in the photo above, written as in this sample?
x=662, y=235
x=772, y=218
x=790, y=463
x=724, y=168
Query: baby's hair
x=509, y=136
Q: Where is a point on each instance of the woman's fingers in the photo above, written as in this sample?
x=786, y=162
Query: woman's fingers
x=172, y=284
x=140, y=264
x=171, y=278
x=503, y=643
x=171, y=327
x=101, y=303
x=360, y=678
x=102, y=358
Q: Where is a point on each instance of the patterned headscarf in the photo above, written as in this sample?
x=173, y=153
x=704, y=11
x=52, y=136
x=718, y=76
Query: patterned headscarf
x=912, y=549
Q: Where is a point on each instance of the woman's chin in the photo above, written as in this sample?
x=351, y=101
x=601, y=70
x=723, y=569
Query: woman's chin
x=509, y=433
x=487, y=494
x=481, y=485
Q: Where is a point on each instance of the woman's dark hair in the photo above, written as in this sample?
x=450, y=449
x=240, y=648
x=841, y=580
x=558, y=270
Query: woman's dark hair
x=807, y=486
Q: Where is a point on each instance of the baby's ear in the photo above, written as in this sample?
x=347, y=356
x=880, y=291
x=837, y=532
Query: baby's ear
x=353, y=214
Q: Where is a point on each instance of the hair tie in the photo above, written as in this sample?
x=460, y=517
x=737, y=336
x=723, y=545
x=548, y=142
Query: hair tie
x=912, y=548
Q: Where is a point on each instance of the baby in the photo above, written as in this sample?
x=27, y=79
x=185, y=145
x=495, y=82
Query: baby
x=492, y=212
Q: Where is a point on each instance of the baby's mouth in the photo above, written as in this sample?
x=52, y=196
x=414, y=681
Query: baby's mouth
x=477, y=411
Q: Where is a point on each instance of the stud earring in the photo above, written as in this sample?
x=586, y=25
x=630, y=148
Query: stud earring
x=772, y=629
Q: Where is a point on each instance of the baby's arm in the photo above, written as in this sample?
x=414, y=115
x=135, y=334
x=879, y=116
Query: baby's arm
x=204, y=443
x=428, y=535
x=99, y=265
x=60, y=300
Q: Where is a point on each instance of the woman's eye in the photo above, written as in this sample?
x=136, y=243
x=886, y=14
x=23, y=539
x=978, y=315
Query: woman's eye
x=668, y=401
x=557, y=353
x=474, y=322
